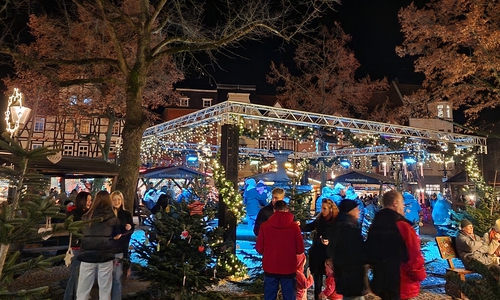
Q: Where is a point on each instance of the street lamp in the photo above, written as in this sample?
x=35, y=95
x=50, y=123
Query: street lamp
x=16, y=114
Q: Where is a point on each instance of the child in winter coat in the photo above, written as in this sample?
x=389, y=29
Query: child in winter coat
x=329, y=291
x=303, y=282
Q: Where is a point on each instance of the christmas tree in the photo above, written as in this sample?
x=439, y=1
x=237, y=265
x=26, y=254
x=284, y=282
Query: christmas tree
x=485, y=287
x=22, y=214
x=184, y=252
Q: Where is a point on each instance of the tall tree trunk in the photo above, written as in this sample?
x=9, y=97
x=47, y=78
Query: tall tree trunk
x=135, y=124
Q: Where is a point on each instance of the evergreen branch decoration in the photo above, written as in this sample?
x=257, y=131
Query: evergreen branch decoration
x=393, y=145
x=297, y=133
x=228, y=191
x=359, y=142
x=484, y=288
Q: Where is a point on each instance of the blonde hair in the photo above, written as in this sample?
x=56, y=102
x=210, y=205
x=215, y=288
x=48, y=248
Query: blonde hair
x=334, y=210
x=278, y=191
x=119, y=194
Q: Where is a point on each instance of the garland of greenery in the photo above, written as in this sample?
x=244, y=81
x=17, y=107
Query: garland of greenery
x=393, y=145
x=228, y=191
x=301, y=134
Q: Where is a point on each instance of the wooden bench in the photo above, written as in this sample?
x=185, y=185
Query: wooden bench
x=447, y=250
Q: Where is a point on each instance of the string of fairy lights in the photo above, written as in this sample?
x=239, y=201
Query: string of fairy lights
x=410, y=157
x=201, y=139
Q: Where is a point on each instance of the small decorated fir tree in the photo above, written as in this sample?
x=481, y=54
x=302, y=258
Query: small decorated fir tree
x=184, y=253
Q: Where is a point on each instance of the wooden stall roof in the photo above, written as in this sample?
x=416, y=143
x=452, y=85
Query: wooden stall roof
x=68, y=166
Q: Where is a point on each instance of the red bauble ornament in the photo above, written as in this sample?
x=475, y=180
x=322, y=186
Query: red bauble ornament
x=184, y=234
x=201, y=248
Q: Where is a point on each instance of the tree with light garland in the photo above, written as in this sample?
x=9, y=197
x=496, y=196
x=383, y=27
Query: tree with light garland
x=184, y=252
x=486, y=210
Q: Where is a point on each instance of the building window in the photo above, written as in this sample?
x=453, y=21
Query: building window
x=36, y=146
x=70, y=126
x=281, y=144
x=432, y=188
x=184, y=102
x=85, y=126
x=68, y=150
x=116, y=128
x=39, y=124
x=207, y=102
x=83, y=151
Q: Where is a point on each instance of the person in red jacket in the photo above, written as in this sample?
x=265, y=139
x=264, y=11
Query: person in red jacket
x=279, y=241
x=329, y=291
x=393, y=251
x=303, y=282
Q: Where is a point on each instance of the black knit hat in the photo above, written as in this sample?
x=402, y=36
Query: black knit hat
x=465, y=223
x=347, y=205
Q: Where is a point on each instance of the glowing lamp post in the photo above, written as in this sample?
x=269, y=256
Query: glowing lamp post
x=16, y=114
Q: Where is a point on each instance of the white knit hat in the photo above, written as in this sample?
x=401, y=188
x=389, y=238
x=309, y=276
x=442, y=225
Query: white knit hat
x=497, y=225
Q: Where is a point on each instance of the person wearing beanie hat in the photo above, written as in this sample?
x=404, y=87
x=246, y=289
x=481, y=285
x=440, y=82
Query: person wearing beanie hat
x=464, y=223
x=347, y=205
x=492, y=239
x=471, y=246
x=346, y=251
x=351, y=195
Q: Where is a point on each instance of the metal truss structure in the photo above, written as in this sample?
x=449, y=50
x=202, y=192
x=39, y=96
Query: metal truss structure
x=245, y=151
x=230, y=112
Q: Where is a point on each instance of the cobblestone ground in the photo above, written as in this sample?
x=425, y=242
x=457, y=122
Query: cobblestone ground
x=55, y=279
x=54, y=276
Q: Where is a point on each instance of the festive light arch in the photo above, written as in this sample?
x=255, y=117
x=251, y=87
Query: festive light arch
x=199, y=131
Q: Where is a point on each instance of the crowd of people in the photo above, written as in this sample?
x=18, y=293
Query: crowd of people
x=103, y=247
x=335, y=265
x=339, y=253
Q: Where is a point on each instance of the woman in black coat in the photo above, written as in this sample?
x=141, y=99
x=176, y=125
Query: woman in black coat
x=318, y=251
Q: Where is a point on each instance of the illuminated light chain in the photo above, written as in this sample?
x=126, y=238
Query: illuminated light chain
x=227, y=190
x=156, y=148
x=269, y=130
x=229, y=262
x=486, y=191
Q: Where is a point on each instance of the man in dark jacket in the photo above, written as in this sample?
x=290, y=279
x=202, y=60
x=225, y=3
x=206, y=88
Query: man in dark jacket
x=393, y=251
x=278, y=194
x=346, y=251
x=279, y=241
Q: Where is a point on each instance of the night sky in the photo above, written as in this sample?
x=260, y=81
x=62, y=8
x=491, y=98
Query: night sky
x=375, y=32
x=373, y=26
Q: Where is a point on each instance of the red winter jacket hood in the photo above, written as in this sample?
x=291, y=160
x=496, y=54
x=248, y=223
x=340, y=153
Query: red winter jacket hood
x=279, y=241
x=413, y=271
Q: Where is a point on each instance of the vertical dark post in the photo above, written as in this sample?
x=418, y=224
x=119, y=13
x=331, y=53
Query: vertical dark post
x=229, y=160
